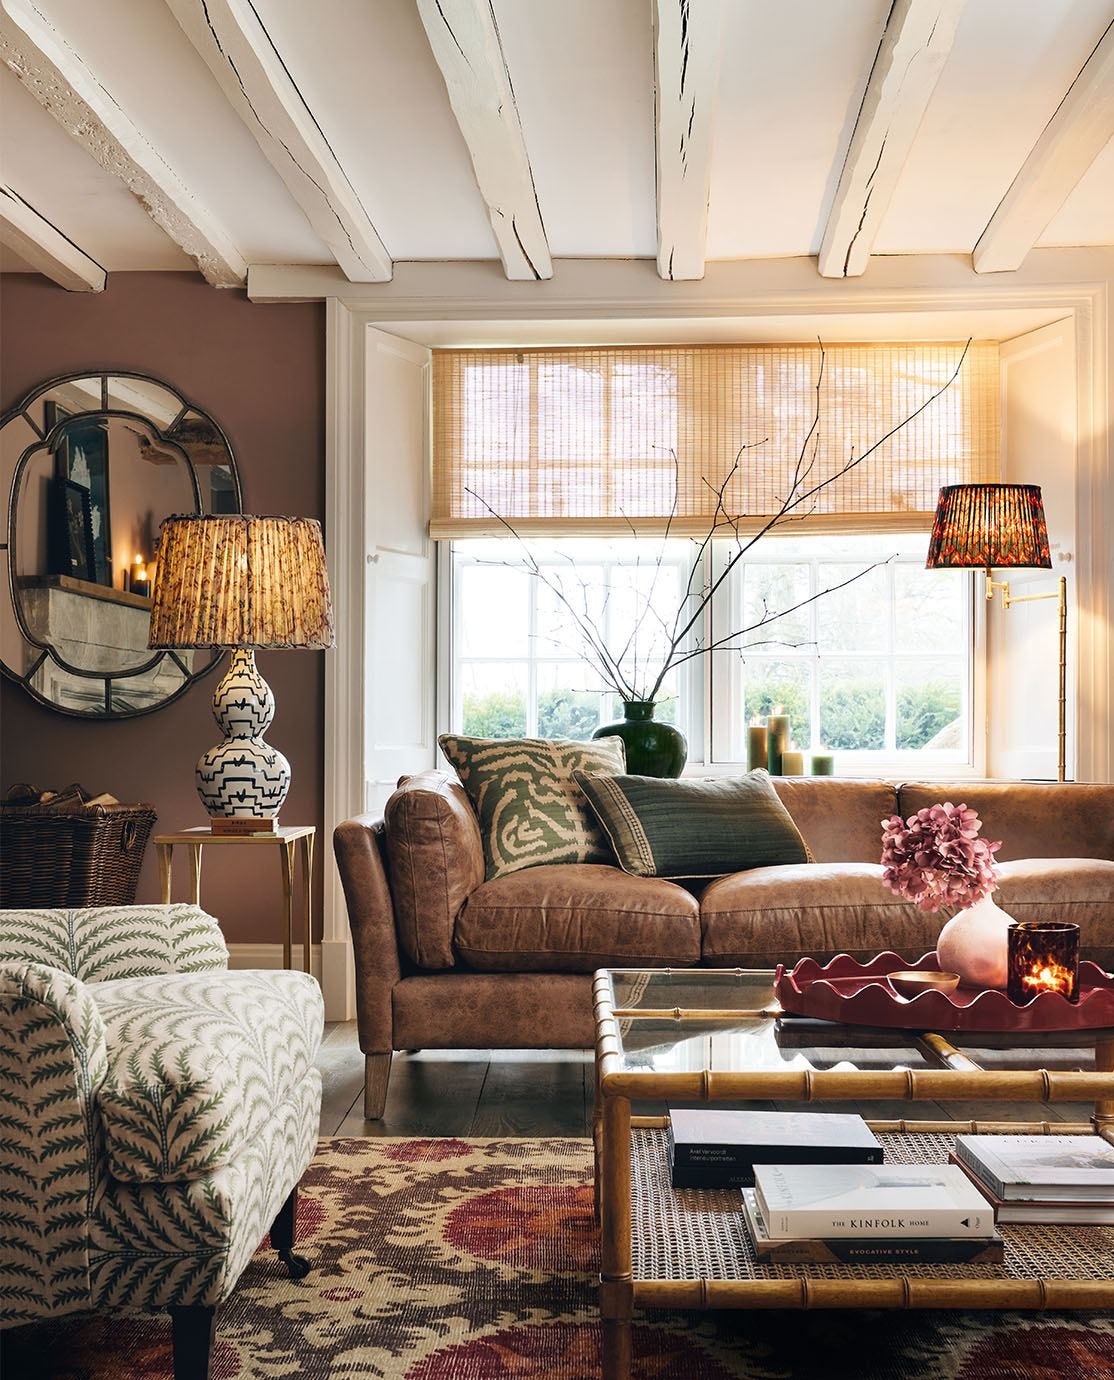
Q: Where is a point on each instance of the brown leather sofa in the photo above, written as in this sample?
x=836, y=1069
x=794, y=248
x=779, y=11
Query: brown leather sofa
x=447, y=960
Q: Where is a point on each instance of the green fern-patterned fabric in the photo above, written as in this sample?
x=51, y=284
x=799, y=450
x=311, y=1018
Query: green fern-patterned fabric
x=158, y=1000
x=530, y=808
x=53, y=1061
x=198, y=1064
x=105, y=942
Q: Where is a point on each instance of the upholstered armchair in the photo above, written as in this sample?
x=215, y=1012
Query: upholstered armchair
x=156, y=1114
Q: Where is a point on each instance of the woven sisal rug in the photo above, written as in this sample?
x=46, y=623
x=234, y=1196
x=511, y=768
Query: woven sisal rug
x=475, y=1260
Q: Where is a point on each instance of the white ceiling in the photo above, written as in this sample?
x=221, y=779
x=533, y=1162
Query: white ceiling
x=791, y=81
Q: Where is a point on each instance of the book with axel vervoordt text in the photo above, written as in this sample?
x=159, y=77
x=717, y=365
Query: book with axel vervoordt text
x=714, y=1148
x=867, y=1250
x=841, y=1200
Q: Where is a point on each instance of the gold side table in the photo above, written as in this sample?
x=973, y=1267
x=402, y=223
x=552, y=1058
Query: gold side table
x=297, y=839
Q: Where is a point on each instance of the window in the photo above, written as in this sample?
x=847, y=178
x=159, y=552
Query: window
x=878, y=671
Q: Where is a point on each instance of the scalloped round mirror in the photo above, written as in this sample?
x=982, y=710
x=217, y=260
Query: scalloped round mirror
x=92, y=463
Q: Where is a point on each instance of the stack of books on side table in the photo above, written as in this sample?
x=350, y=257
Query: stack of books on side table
x=1055, y=1179
x=711, y=1148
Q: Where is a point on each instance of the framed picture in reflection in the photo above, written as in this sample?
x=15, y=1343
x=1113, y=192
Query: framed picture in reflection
x=81, y=456
x=71, y=531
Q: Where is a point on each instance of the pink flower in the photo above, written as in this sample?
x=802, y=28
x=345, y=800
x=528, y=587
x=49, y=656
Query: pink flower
x=935, y=858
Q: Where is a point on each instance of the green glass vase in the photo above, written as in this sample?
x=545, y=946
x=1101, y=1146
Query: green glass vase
x=653, y=748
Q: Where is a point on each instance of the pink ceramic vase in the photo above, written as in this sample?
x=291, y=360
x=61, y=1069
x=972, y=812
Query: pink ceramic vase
x=974, y=944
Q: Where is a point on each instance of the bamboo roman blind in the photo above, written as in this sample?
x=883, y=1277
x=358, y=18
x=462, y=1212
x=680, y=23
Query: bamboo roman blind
x=581, y=441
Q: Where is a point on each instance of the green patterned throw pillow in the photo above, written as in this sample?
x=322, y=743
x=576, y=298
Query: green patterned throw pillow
x=694, y=828
x=530, y=809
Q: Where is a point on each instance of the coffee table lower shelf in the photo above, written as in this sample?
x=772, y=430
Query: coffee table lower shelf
x=690, y=1249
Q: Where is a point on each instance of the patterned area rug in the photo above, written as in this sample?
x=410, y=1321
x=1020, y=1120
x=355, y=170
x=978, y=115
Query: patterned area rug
x=475, y=1260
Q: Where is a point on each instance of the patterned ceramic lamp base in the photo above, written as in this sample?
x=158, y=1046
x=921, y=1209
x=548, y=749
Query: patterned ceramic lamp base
x=243, y=781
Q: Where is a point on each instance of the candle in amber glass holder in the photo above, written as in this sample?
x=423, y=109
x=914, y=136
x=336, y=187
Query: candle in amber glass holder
x=1043, y=957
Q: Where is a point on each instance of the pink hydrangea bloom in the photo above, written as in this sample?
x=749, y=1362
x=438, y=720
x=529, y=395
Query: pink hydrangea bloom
x=935, y=858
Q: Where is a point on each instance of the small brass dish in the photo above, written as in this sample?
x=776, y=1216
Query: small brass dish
x=911, y=982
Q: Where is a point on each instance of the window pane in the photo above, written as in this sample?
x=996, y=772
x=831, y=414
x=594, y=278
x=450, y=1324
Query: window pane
x=771, y=589
x=483, y=590
x=567, y=707
x=929, y=609
x=494, y=699
x=930, y=704
x=780, y=687
x=852, y=705
x=583, y=587
x=855, y=618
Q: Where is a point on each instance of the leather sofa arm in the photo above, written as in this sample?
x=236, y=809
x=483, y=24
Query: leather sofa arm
x=358, y=845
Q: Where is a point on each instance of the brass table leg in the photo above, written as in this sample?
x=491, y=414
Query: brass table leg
x=165, y=853
x=307, y=902
x=286, y=856
x=195, y=872
x=616, y=1283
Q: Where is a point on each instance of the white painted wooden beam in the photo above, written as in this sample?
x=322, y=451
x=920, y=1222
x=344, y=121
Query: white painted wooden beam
x=688, y=35
x=465, y=41
x=915, y=45
x=238, y=51
x=44, y=246
x=63, y=84
x=1071, y=141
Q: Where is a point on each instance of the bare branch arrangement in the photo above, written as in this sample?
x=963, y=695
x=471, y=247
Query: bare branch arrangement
x=637, y=674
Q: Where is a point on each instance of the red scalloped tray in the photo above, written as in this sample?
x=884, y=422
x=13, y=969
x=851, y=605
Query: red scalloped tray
x=854, y=993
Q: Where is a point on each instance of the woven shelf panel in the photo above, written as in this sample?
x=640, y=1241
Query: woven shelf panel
x=697, y=1234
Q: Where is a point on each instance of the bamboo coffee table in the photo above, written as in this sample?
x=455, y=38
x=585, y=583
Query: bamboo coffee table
x=713, y=1035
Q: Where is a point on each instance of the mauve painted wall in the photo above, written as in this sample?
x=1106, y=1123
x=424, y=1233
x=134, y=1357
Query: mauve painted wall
x=260, y=371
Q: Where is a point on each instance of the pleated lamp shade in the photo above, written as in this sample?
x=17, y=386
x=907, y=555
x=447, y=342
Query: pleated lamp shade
x=989, y=525
x=241, y=581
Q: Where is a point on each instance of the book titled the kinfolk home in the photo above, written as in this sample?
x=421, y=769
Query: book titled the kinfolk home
x=848, y=1200
x=868, y=1250
x=710, y=1148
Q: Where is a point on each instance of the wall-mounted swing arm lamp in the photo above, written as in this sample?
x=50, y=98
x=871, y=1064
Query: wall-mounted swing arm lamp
x=988, y=526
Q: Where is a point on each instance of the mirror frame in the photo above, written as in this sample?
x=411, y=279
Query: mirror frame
x=104, y=412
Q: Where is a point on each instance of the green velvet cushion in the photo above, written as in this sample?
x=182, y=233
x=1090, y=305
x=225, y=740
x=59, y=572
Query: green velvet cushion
x=694, y=828
x=530, y=809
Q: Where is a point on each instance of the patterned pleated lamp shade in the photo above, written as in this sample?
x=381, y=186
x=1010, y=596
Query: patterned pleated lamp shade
x=985, y=525
x=241, y=581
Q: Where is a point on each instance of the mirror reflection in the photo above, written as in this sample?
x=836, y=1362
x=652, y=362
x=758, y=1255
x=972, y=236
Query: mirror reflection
x=93, y=465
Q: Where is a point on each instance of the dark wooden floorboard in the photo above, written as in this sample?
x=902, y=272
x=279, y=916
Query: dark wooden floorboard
x=550, y=1093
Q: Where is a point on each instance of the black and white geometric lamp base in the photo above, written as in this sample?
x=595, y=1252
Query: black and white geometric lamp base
x=243, y=781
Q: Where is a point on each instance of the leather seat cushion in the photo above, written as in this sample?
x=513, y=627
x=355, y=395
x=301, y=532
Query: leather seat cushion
x=574, y=918
x=779, y=914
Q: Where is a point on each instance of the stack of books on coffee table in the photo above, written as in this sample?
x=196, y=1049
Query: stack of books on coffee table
x=917, y=1214
x=1042, y=1179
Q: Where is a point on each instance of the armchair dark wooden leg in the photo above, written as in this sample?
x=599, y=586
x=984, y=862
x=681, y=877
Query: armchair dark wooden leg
x=193, y=1328
x=283, y=1230
x=377, y=1074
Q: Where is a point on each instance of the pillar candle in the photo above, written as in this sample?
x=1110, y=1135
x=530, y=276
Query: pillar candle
x=777, y=741
x=757, y=746
x=823, y=764
x=792, y=763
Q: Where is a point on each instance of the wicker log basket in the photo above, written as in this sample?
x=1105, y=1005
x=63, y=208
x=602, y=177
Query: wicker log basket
x=68, y=848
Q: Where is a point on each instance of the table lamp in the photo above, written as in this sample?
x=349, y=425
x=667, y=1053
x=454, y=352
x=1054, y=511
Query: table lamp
x=241, y=583
x=1003, y=525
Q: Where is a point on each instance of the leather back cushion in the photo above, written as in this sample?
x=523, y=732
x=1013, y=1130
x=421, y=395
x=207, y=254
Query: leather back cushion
x=435, y=860
x=1034, y=819
x=840, y=820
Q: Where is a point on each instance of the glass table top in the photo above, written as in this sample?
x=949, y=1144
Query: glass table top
x=689, y=1020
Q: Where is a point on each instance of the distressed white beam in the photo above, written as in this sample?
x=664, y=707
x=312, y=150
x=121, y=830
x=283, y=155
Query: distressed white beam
x=915, y=45
x=1071, y=141
x=465, y=41
x=63, y=84
x=238, y=51
x=44, y=246
x=688, y=35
